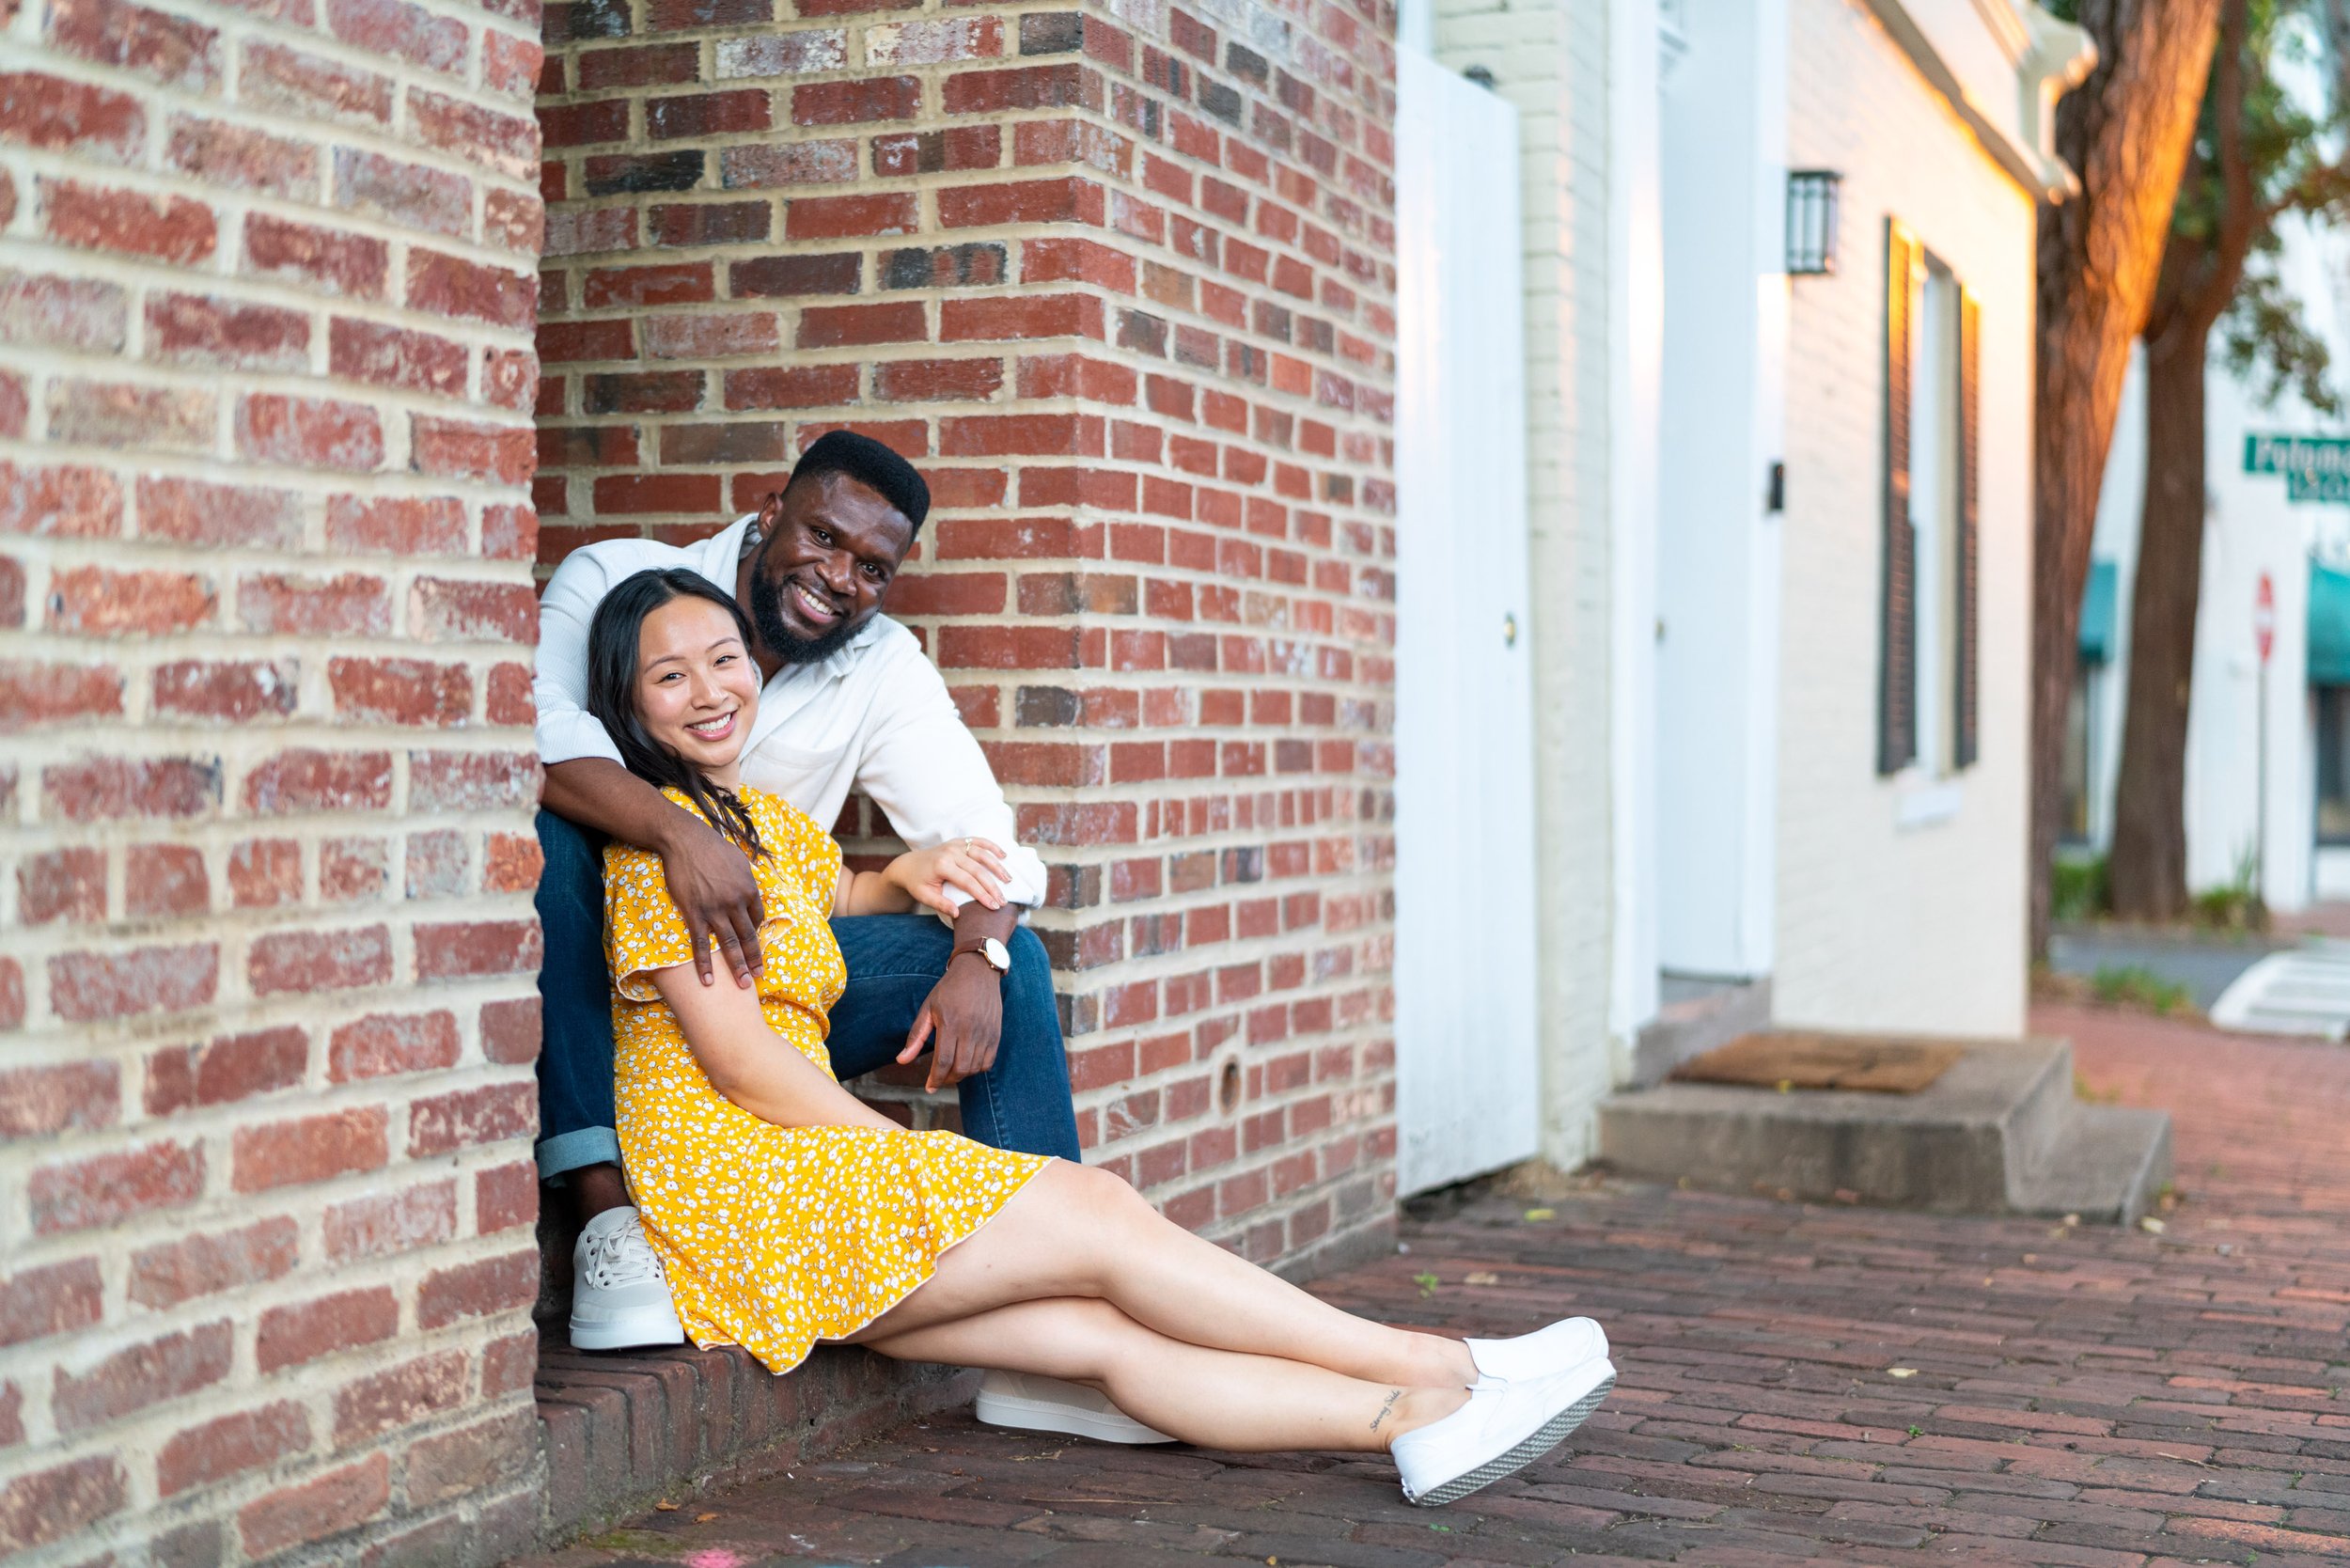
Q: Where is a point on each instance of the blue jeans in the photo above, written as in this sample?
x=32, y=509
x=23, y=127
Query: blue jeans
x=893, y=960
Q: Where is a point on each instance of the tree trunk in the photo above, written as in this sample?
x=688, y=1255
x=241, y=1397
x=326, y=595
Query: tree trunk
x=2125, y=132
x=2201, y=271
x=2148, y=864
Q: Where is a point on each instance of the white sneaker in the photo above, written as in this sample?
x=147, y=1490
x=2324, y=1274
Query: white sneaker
x=620, y=1296
x=1048, y=1405
x=1503, y=1428
x=1567, y=1344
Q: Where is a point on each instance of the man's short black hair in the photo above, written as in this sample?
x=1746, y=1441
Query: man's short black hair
x=871, y=464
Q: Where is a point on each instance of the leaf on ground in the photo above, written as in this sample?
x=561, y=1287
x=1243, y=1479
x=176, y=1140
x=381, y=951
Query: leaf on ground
x=1427, y=1283
x=704, y=1519
x=1901, y=1371
x=1542, y=1214
x=665, y=1507
x=1482, y=1276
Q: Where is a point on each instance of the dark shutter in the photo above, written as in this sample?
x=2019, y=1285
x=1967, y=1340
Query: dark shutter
x=1969, y=488
x=1897, y=660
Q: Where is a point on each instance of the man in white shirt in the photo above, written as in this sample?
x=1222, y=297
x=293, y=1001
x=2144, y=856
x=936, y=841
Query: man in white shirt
x=850, y=703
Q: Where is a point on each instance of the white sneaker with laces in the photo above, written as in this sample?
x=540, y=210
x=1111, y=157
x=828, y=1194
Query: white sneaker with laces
x=1569, y=1342
x=1049, y=1405
x=620, y=1296
x=1504, y=1427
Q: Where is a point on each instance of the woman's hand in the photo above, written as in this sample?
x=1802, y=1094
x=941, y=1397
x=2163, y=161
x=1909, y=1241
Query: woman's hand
x=973, y=865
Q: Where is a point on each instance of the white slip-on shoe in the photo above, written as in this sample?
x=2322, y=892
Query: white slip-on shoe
x=1503, y=1428
x=620, y=1296
x=1049, y=1405
x=1569, y=1342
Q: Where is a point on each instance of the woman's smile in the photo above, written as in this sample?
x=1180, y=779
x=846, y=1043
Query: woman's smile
x=716, y=729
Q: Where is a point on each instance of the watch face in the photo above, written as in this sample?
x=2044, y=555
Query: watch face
x=998, y=956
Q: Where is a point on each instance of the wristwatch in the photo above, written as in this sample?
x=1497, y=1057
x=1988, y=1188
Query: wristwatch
x=998, y=957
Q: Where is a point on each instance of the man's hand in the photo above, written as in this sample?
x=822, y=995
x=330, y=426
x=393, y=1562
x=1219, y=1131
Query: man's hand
x=712, y=883
x=708, y=878
x=963, y=1017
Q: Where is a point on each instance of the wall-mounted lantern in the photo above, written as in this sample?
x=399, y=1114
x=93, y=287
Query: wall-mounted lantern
x=1812, y=221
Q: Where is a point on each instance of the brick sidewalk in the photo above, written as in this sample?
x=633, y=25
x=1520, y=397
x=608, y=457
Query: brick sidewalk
x=2078, y=1397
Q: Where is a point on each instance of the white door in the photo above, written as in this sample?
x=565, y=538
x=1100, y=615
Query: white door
x=1467, y=1075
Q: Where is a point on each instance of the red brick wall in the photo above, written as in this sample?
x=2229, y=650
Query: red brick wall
x=266, y=1013
x=1122, y=280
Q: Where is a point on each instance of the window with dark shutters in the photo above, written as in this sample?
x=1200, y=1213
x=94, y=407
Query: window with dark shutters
x=1897, y=679
x=1967, y=685
x=1928, y=667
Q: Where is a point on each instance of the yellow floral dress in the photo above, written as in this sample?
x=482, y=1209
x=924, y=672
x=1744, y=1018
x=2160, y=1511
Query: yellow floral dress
x=773, y=1237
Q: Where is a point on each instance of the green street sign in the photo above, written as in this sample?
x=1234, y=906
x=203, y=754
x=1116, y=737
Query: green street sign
x=2318, y=487
x=2316, y=467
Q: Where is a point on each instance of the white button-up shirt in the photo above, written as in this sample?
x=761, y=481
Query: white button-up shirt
x=874, y=717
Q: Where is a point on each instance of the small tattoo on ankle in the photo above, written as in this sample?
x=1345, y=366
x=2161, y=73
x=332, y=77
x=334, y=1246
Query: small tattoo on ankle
x=1386, y=1409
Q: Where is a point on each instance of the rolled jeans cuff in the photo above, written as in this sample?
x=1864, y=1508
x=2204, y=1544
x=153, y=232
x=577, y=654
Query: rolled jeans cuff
x=571, y=1150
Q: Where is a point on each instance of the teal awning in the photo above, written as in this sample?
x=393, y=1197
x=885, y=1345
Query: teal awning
x=2329, y=626
x=2096, y=639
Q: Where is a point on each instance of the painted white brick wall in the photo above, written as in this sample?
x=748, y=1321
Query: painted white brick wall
x=1880, y=928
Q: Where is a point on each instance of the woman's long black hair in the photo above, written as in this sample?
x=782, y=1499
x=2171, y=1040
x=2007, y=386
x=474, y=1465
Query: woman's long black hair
x=613, y=651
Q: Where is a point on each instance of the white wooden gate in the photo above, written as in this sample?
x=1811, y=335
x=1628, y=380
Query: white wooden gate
x=1467, y=1075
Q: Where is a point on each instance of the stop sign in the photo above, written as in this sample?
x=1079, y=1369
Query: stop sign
x=2264, y=617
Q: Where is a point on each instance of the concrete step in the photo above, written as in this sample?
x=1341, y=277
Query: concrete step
x=2109, y=1167
x=2000, y=1132
x=2303, y=991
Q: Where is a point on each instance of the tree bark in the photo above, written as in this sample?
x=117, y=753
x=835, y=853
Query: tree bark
x=2125, y=132
x=2147, y=866
x=2146, y=870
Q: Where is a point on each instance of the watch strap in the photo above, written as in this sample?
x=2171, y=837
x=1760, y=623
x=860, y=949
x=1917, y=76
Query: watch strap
x=979, y=947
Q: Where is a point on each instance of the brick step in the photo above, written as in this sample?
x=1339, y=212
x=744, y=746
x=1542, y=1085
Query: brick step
x=622, y=1431
x=2000, y=1133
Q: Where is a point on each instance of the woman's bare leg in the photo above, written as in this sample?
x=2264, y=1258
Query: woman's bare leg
x=1077, y=1231
x=1214, y=1398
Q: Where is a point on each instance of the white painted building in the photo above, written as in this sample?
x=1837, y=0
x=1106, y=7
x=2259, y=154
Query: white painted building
x=2260, y=790
x=1901, y=884
x=1723, y=794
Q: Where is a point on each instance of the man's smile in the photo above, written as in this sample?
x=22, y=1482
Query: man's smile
x=815, y=607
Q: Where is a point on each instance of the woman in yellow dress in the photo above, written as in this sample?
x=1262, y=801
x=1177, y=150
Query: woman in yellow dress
x=787, y=1212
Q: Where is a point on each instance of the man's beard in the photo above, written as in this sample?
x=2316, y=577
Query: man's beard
x=767, y=616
